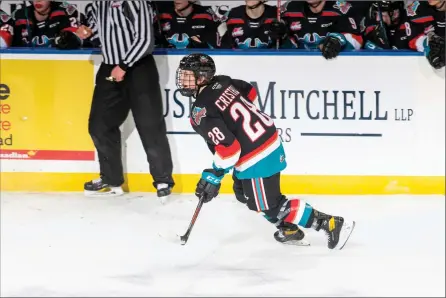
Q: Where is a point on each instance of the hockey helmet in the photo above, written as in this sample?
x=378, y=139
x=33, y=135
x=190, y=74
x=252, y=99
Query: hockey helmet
x=392, y=8
x=195, y=70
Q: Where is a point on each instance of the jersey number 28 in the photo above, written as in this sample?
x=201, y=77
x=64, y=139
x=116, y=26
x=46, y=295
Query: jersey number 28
x=253, y=130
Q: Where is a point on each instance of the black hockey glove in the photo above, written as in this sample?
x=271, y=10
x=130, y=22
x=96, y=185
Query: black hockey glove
x=209, y=184
x=331, y=47
x=378, y=37
x=193, y=44
x=67, y=40
x=436, y=51
x=277, y=30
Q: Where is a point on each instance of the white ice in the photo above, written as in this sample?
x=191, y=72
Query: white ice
x=69, y=245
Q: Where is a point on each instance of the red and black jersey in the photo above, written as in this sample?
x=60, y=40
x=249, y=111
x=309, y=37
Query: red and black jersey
x=177, y=31
x=308, y=30
x=29, y=32
x=240, y=135
x=6, y=29
x=244, y=32
x=424, y=18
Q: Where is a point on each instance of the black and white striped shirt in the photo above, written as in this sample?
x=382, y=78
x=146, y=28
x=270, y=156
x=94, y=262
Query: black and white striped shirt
x=125, y=30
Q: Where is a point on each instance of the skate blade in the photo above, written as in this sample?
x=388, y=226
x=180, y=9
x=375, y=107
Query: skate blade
x=297, y=243
x=111, y=193
x=346, y=231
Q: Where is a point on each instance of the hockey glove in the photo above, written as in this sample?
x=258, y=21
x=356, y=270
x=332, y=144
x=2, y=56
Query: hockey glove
x=331, y=47
x=67, y=40
x=378, y=37
x=277, y=30
x=436, y=52
x=209, y=184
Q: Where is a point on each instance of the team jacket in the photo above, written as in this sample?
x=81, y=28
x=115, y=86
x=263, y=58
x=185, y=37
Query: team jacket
x=242, y=32
x=175, y=31
x=423, y=19
x=28, y=32
x=6, y=29
x=239, y=135
x=307, y=30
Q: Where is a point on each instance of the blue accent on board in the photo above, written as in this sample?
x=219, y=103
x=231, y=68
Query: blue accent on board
x=218, y=52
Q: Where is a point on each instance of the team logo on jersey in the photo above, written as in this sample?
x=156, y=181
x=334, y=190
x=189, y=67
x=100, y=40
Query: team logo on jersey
x=166, y=26
x=237, y=32
x=343, y=6
x=412, y=8
x=295, y=26
x=198, y=114
x=4, y=17
x=179, y=42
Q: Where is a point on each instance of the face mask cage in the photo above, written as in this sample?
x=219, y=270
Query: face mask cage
x=184, y=82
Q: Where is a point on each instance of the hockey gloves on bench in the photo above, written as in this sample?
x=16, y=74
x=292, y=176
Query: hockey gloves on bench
x=331, y=47
x=209, y=184
x=436, y=50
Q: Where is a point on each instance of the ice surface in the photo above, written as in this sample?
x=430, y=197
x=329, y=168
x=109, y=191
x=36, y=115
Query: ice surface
x=69, y=245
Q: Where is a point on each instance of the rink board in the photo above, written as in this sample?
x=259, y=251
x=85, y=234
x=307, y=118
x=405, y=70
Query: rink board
x=377, y=129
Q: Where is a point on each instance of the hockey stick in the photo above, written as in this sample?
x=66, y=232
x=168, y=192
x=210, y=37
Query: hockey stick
x=279, y=10
x=381, y=23
x=185, y=237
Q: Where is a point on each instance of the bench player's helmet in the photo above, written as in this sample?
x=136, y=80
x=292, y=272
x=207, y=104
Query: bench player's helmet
x=195, y=71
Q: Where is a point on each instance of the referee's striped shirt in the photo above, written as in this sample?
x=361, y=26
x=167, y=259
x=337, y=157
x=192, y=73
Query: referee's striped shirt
x=124, y=29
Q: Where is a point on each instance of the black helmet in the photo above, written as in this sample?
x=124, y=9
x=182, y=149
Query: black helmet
x=203, y=68
x=393, y=8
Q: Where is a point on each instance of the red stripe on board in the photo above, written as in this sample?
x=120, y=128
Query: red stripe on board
x=46, y=155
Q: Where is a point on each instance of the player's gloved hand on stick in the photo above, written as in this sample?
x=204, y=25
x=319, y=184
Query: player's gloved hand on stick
x=277, y=29
x=209, y=184
x=331, y=47
x=67, y=40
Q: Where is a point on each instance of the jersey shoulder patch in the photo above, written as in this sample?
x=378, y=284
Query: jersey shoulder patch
x=342, y=6
x=412, y=8
x=197, y=114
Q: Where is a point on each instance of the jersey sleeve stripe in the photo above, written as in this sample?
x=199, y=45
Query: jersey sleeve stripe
x=252, y=95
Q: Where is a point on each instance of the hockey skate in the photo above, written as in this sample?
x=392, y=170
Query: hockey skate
x=289, y=233
x=163, y=191
x=97, y=188
x=338, y=230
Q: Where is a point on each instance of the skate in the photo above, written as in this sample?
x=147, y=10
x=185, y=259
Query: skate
x=163, y=190
x=289, y=233
x=96, y=188
x=338, y=230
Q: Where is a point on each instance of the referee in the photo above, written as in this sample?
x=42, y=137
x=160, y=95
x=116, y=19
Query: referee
x=126, y=80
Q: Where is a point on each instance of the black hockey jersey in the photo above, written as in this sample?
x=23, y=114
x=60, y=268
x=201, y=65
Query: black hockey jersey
x=28, y=32
x=6, y=29
x=244, y=32
x=341, y=19
x=241, y=136
x=380, y=35
x=177, y=31
x=424, y=18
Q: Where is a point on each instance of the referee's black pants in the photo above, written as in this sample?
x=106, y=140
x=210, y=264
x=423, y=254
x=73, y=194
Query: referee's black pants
x=140, y=92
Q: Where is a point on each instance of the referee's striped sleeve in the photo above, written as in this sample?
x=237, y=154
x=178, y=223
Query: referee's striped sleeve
x=143, y=33
x=91, y=13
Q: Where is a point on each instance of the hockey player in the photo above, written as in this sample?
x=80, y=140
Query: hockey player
x=181, y=24
x=427, y=20
x=330, y=26
x=386, y=26
x=46, y=24
x=6, y=30
x=248, y=26
x=244, y=139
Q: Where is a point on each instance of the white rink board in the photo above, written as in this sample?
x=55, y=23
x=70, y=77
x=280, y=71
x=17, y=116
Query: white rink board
x=392, y=87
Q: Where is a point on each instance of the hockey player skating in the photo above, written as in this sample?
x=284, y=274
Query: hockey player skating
x=246, y=140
